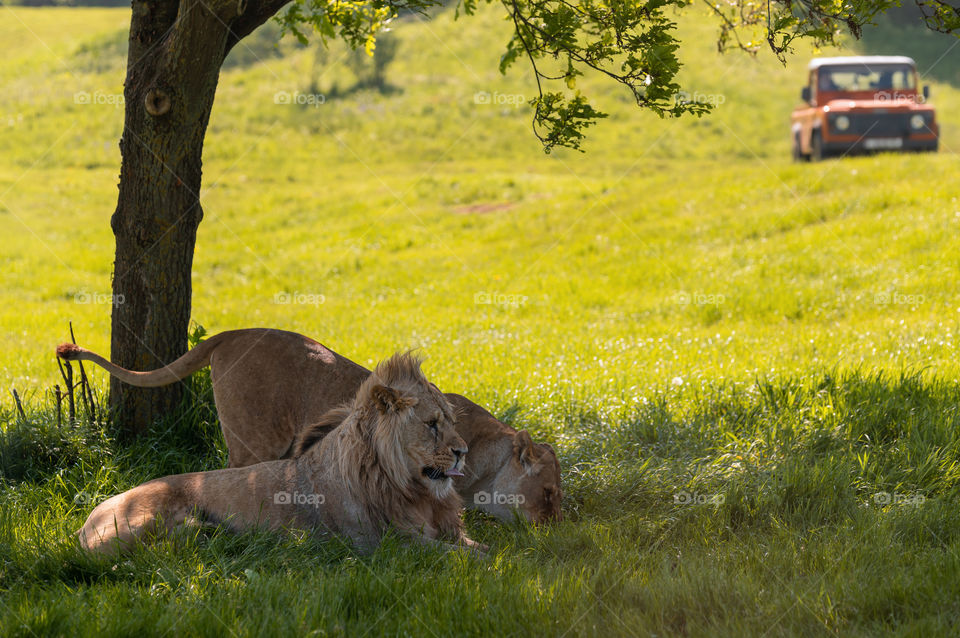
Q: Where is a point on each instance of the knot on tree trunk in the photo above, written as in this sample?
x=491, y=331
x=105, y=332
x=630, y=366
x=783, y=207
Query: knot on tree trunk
x=157, y=102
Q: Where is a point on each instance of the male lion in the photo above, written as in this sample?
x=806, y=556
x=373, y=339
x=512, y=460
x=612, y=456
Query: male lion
x=269, y=385
x=388, y=463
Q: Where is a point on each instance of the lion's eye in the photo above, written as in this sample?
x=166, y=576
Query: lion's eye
x=432, y=424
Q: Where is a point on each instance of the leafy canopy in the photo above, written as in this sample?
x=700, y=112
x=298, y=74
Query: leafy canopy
x=634, y=44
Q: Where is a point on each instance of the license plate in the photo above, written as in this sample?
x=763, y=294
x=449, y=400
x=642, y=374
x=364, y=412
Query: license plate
x=883, y=142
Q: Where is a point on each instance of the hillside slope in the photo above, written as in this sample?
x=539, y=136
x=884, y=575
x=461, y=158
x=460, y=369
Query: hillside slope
x=383, y=210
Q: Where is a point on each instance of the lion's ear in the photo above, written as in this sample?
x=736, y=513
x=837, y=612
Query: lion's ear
x=389, y=400
x=523, y=447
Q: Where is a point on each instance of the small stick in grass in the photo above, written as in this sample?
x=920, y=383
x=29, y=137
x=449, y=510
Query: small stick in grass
x=59, y=397
x=16, y=398
x=86, y=394
x=67, y=375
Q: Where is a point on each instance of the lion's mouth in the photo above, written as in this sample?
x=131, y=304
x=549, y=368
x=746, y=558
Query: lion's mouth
x=436, y=474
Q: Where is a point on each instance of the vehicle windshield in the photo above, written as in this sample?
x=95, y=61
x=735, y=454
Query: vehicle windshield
x=862, y=77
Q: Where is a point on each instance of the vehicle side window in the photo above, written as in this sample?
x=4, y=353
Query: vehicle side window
x=826, y=80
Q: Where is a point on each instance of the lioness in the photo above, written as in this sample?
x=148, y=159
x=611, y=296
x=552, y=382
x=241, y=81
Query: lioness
x=389, y=462
x=271, y=384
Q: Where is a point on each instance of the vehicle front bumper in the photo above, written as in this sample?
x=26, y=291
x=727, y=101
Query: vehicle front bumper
x=875, y=145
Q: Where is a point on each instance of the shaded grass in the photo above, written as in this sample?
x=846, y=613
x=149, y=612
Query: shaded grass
x=790, y=506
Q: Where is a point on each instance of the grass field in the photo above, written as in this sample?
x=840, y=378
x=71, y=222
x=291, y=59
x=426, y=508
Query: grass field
x=747, y=366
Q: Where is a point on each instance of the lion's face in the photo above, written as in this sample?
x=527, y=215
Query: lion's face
x=437, y=452
x=434, y=452
x=529, y=483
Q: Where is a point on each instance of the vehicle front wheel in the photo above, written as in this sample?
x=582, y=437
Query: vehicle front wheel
x=816, y=147
x=798, y=155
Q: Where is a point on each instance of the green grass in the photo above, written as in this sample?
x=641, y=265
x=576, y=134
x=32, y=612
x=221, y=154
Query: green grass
x=682, y=312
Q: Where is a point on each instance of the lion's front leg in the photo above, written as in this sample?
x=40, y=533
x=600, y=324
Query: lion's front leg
x=479, y=549
x=428, y=539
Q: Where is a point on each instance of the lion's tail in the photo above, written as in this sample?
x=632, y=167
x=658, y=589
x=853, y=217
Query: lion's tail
x=183, y=367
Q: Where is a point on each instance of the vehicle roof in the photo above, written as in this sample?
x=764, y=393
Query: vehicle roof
x=816, y=63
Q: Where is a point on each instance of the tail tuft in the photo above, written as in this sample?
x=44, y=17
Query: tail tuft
x=69, y=351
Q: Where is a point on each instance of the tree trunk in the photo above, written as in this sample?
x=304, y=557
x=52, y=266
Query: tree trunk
x=176, y=50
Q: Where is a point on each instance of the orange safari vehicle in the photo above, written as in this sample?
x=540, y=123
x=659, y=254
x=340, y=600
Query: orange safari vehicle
x=862, y=104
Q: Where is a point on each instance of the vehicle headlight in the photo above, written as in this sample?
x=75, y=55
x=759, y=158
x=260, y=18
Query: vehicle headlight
x=842, y=122
x=918, y=121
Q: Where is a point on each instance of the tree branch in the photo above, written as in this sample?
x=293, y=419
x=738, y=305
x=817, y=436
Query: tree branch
x=256, y=13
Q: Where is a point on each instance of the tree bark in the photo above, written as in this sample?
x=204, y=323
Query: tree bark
x=173, y=65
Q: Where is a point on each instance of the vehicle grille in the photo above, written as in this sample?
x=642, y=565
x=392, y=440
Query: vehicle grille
x=879, y=124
